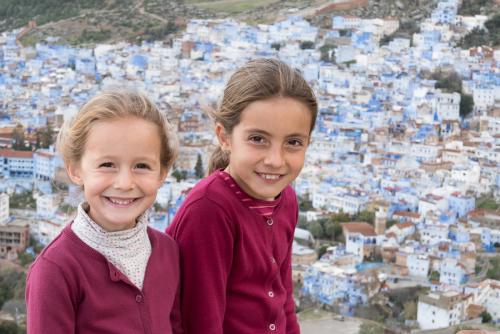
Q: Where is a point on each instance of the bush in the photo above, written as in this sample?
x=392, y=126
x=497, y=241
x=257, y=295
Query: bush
x=307, y=45
x=485, y=317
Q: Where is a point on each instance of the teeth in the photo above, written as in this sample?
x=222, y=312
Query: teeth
x=121, y=201
x=269, y=176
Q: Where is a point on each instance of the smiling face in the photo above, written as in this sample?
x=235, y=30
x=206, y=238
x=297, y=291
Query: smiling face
x=267, y=147
x=120, y=171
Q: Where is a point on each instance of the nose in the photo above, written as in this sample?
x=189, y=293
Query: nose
x=124, y=180
x=274, y=157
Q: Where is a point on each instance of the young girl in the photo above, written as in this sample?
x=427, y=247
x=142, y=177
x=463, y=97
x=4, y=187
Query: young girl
x=108, y=272
x=235, y=228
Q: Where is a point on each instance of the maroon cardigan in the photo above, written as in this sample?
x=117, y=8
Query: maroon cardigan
x=235, y=265
x=72, y=288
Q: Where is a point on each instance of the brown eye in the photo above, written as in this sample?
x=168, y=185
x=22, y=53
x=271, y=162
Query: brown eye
x=143, y=166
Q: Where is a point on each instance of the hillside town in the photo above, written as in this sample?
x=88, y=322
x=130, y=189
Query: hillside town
x=392, y=139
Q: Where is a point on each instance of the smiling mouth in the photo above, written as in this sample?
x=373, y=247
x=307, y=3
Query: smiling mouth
x=270, y=177
x=120, y=201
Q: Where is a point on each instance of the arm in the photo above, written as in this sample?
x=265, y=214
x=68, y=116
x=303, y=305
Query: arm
x=292, y=325
x=175, y=314
x=206, y=250
x=50, y=306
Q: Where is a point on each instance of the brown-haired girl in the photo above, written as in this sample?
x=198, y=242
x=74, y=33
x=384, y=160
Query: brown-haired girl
x=108, y=272
x=235, y=229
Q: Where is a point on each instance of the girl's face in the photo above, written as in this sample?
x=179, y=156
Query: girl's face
x=120, y=171
x=268, y=146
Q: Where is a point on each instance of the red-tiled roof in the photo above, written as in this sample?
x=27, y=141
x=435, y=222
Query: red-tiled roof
x=360, y=227
x=404, y=225
x=15, y=154
x=407, y=214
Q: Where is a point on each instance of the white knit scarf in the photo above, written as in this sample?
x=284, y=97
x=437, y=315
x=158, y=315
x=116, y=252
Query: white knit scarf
x=128, y=250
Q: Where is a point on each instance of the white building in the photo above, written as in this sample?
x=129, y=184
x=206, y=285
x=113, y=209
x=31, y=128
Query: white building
x=4, y=208
x=433, y=234
x=418, y=265
x=452, y=272
x=47, y=205
x=45, y=163
x=484, y=97
x=447, y=106
x=16, y=163
x=46, y=230
x=440, y=310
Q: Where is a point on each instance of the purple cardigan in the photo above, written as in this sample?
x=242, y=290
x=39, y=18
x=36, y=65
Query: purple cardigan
x=72, y=288
x=235, y=263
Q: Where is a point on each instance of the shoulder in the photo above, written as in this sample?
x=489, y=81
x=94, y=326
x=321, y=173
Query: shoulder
x=56, y=260
x=209, y=198
x=212, y=188
x=60, y=250
x=162, y=240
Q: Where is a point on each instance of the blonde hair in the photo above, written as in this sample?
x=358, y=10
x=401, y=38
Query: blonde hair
x=258, y=79
x=109, y=105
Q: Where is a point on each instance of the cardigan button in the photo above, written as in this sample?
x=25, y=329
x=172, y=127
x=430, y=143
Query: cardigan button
x=270, y=294
x=270, y=222
x=138, y=298
x=272, y=327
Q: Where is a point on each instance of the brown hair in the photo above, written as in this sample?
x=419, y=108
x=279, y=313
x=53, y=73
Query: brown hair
x=258, y=79
x=110, y=105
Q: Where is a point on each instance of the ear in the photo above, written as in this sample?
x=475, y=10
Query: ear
x=163, y=176
x=223, y=137
x=74, y=173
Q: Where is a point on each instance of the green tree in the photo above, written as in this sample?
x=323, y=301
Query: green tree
x=365, y=216
x=466, y=105
x=476, y=37
x=18, y=139
x=305, y=204
x=434, y=276
x=179, y=174
x=10, y=327
x=485, y=317
x=371, y=328
x=307, y=45
x=449, y=81
x=410, y=310
x=198, y=168
x=316, y=229
x=322, y=250
x=276, y=46
x=333, y=230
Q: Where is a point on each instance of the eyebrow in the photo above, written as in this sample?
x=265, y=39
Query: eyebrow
x=300, y=135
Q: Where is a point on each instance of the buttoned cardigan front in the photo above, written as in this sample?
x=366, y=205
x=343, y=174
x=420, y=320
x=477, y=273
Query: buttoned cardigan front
x=72, y=288
x=235, y=263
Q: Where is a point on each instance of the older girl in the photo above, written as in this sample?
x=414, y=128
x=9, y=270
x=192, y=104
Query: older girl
x=235, y=228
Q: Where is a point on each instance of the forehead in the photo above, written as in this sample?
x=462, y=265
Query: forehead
x=277, y=116
x=120, y=135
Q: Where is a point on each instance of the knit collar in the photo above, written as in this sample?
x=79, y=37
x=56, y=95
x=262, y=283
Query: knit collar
x=116, y=239
x=128, y=250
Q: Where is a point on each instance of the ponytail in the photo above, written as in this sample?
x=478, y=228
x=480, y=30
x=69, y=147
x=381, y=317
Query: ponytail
x=218, y=160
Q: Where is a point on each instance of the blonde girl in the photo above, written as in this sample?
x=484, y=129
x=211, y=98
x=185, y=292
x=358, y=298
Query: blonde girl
x=107, y=271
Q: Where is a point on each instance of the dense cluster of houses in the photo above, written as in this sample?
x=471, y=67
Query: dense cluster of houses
x=386, y=140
